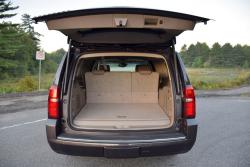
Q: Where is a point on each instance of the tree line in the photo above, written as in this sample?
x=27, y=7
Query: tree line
x=201, y=55
x=18, y=46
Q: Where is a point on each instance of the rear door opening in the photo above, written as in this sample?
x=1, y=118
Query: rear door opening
x=122, y=91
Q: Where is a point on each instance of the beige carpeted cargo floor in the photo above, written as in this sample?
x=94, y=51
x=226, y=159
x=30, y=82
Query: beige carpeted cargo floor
x=109, y=116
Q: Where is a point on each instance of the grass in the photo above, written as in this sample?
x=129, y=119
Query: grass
x=201, y=78
x=25, y=84
x=218, y=78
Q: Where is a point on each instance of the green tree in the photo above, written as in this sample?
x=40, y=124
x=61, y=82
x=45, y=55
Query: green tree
x=31, y=42
x=238, y=57
x=195, y=55
x=183, y=52
x=200, y=55
x=226, y=57
x=214, y=55
x=27, y=26
x=18, y=44
x=197, y=62
x=184, y=48
x=57, y=55
x=189, y=56
x=246, y=53
x=27, y=23
x=9, y=43
x=6, y=6
x=52, y=60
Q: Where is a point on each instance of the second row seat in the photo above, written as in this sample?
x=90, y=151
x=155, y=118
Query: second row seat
x=122, y=87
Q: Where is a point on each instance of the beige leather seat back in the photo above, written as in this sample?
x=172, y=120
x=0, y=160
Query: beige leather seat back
x=122, y=87
x=145, y=85
x=108, y=87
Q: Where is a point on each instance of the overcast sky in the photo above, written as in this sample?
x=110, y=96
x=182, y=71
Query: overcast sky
x=231, y=18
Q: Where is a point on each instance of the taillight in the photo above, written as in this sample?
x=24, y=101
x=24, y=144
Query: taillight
x=53, y=102
x=189, y=102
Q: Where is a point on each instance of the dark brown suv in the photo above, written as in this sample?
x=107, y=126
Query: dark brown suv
x=121, y=90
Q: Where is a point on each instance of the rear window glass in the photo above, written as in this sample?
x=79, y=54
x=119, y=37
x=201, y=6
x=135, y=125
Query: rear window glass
x=130, y=67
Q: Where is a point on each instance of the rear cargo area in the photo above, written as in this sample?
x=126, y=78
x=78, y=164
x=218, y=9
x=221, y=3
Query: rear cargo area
x=123, y=100
x=122, y=116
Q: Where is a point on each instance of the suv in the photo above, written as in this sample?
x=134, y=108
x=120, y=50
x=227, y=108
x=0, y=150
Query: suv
x=121, y=90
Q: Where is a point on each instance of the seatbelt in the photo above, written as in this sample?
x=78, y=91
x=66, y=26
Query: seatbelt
x=103, y=63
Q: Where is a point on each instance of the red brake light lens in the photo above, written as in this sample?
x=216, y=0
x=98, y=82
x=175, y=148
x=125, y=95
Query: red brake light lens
x=53, y=102
x=189, y=110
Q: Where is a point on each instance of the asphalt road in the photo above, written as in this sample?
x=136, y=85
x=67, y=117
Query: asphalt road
x=223, y=139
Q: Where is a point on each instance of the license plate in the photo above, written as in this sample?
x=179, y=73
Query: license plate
x=121, y=152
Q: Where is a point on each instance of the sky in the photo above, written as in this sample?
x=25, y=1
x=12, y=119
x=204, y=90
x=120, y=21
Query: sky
x=230, y=18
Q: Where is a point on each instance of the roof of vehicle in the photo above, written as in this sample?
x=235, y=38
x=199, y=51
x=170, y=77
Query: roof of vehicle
x=119, y=10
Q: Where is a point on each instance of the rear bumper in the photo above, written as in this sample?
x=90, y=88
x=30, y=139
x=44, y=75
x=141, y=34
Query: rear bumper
x=170, y=144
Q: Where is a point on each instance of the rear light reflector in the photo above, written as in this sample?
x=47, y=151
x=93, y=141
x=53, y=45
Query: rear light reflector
x=189, y=110
x=53, y=102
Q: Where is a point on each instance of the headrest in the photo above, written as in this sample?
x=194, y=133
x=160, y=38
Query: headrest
x=98, y=72
x=144, y=69
x=101, y=69
x=104, y=67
